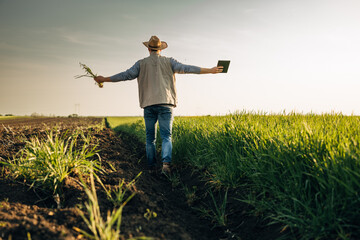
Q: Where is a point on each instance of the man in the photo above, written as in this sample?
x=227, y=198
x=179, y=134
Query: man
x=157, y=95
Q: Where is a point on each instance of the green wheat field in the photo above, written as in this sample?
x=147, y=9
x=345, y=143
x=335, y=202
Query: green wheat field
x=302, y=171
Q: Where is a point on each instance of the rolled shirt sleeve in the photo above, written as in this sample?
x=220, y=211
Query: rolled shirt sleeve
x=178, y=67
x=129, y=74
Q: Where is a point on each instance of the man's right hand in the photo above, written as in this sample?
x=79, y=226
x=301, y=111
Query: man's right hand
x=101, y=79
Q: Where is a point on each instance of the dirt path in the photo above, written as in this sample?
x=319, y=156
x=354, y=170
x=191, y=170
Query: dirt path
x=175, y=219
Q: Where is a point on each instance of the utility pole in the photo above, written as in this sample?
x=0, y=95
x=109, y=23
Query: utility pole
x=77, y=109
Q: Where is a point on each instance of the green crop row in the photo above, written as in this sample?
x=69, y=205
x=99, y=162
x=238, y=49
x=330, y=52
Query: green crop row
x=48, y=160
x=134, y=126
x=302, y=171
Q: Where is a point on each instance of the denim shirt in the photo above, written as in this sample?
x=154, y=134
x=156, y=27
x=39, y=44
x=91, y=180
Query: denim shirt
x=156, y=79
x=134, y=71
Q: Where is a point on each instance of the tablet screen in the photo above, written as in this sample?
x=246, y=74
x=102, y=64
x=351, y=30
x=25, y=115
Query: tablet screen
x=225, y=64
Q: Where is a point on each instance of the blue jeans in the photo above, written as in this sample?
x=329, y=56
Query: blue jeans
x=164, y=115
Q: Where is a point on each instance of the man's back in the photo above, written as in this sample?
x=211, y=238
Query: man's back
x=156, y=81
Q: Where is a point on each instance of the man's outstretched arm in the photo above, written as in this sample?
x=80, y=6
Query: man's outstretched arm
x=129, y=74
x=183, y=68
x=211, y=70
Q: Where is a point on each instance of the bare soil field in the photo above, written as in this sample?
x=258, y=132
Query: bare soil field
x=27, y=212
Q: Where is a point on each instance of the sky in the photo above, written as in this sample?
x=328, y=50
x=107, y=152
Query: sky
x=286, y=55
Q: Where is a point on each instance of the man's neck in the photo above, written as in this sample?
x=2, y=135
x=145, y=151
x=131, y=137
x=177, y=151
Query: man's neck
x=155, y=52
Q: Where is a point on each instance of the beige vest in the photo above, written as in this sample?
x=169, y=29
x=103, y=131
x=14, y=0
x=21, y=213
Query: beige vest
x=156, y=81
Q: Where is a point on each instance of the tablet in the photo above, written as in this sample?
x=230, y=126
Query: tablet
x=225, y=64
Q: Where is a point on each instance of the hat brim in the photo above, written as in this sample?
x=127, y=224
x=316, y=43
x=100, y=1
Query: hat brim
x=162, y=46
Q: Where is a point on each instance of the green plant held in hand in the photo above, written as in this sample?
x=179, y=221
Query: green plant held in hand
x=88, y=73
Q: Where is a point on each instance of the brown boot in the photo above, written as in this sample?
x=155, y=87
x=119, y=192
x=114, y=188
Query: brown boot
x=166, y=169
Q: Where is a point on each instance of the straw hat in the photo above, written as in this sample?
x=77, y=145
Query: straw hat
x=155, y=44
